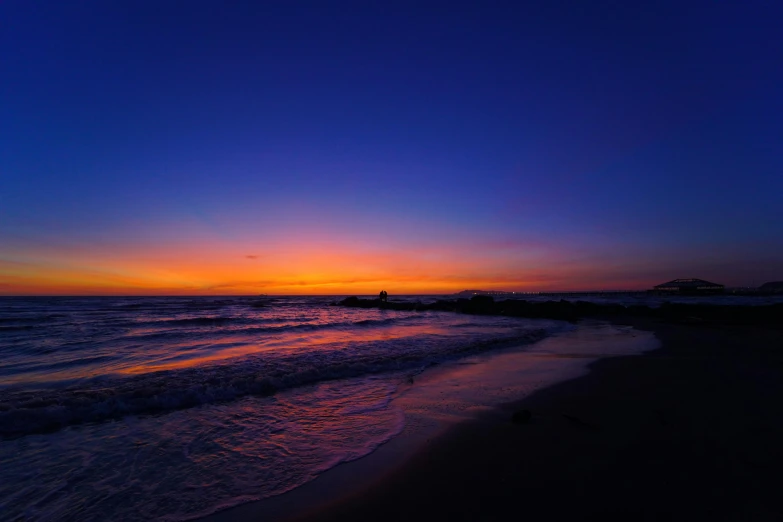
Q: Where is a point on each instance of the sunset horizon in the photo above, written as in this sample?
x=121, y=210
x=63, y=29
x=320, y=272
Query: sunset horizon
x=350, y=261
x=361, y=266
x=155, y=149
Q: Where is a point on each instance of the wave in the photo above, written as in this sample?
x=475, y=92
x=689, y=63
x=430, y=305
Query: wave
x=201, y=321
x=309, y=324
x=199, y=304
x=16, y=328
x=31, y=320
x=24, y=412
x=373, y=322
x=173, y=332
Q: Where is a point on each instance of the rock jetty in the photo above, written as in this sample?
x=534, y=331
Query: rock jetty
x=574, y=310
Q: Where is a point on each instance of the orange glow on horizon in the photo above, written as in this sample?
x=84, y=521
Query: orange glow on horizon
x=292, y=268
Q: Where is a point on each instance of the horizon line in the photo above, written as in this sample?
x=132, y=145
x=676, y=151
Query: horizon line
x=509, y=292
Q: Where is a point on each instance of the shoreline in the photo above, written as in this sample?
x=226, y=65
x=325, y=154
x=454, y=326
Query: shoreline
x=445, y=397
x=690, y=430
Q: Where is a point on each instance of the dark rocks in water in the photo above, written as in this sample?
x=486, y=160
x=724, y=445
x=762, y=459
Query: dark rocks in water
x=482, y=300
x=521, y=417
x=563, y=310
x=355, y=302
x=486, y=305
x=446, y=306
x=573, y=311
x=480, y=304
x=391, y=305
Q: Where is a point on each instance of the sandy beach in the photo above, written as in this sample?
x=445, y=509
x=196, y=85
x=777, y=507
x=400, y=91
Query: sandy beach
x=689, y=431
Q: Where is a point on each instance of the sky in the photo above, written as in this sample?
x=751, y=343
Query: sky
x=212, y=147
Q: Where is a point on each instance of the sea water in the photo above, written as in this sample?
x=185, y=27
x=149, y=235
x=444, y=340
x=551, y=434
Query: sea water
x=171, y=408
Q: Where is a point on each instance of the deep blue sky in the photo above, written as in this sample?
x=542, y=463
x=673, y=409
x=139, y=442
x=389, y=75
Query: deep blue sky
x=569, y=144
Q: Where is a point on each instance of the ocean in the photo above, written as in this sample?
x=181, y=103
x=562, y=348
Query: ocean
x=174, y=408
x=171, y=408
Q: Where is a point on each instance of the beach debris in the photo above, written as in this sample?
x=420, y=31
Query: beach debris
x=578, y=422
x=521, y=416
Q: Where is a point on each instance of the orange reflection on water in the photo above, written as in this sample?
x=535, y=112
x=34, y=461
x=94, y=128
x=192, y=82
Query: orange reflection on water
x=183, y=355
x=174, y=359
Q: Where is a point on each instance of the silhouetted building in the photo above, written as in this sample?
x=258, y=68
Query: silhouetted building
x=773, y=287
x=689, y=287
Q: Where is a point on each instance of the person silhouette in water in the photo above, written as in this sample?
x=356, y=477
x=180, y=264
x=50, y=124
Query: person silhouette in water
x=384, y=296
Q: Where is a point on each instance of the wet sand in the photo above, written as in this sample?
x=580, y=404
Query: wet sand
x=692, y=430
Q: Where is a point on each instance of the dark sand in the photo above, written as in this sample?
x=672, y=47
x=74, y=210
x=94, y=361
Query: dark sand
x=693, y=431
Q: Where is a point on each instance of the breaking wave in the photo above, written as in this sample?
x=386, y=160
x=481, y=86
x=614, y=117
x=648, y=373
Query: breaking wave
x=24, y=412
